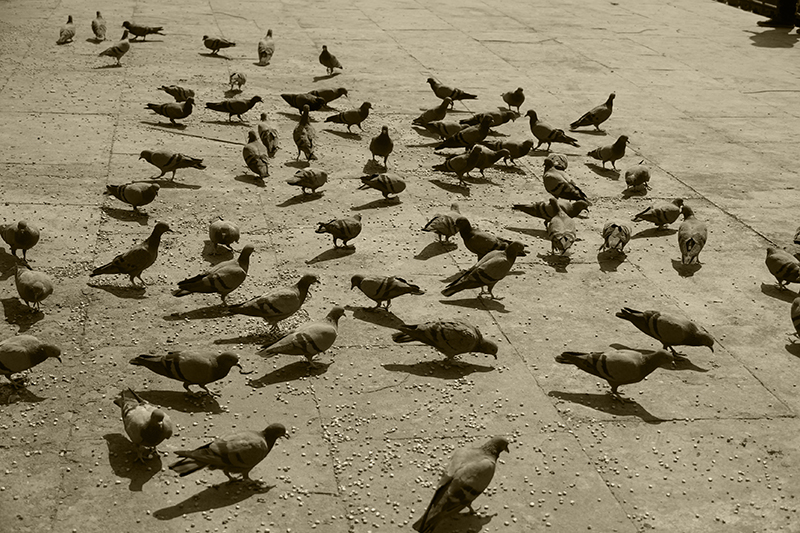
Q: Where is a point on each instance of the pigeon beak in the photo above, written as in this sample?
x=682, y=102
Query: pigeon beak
x=711, y=348
x=59, y=359
x=241, y=370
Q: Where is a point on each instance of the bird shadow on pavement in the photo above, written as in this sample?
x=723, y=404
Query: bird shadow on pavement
x=509, y=169
x=610, y=260
x=538, y=233
x=126, y=215
x=168, y=125
x=112, y=65
x=290, y=372
x=230, y=93
x=332, y=253
x=379, y=317
x=427, y=145
x=122, y=455
x=589, y=132
x=215, y=254
x=120, y=291
x=373, y=167
x=605, y=403
x=93, y=40
x=210, y=311
x=686, y=271
x=425, y=133
x=439, y=369
x=228, y=122
x=774, y=38
x=493, y=133
x=10, y=394
x=480, y=303
x=294, y=116
x=8, y=265
x=301, y=198
x=326, y=77
x=251, y=179
x=654, y=232
x=215, y=56
x=377, y=204
x=558, y=262
x=605, y=172
x=481, y=180
x=344, y=134
x=792, y=347
x=214, y=497
x=630, y=192
x=683, y=363
x=172, y=184
x=181, y=401
x=467, y=522
x=255, y=338
x=772, y=290
x=19, y=314
x=435, y=248
x=297, y=163
x=451, y=187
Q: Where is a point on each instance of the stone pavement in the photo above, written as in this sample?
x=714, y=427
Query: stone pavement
x=710, y=103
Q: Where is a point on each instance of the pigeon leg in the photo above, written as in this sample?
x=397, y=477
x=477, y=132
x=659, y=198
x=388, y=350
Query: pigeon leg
x=615, y=395
x=210, y=393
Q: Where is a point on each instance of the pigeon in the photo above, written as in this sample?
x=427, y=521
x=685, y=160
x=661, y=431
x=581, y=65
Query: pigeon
x=548, y=209
x=469, y=473
x=468, y=137
x=383, y=288
x=556, y=183
x=611, y=152
x=461, y=164
x=119, y=50
x=351, y=117
x=443, y=128
x=661, y=214
x=489, y=157
x=146, y=425
x=19, y=236
x=266, y=47
x=382, y=145
x=238, y=453
x=615, y=237
x=443, y=91
x=190, y=368
x=692, y=236
x=67, y=32
x=514, y=98
x=433, y=114
x=499, y=117
x=238, y=79
x=487, y=271
x=167, y=161
x=136, y=194
x=268, y=136
x=179, y=93
x=668, y=329
x=142, y=31
x=305, y=136
x=545, y=133
x=222, y=278
x=99, y=27
x=308, y=340
x=137, y=259
x=596, y=116
x=298, y=100
x=24, y=352
x=32, y=286
x=561, y=232
x=637, y=177
x=343, y=229
x=516, y=150
x=173, y=110
x=450, y=337
x=385, y=183
x=223, y=233
x=277, y=305
x=480, y=242
x=784, y=266
x=795, y=314
x=329, y=61
x=444, y=224
x=796, y=238
x=309, y=178
x=617, y=367
x=559, y=161
x=215, y=44
x=329, y=95
x=236, y=106
x=255, y=155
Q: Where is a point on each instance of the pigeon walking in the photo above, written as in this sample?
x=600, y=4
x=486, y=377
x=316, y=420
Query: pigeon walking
x=236, y=106
x=433, y=114
x=487, y=272
x=668, y=329
x=223, y=278
x=19, y=236
x=661, y=214
x=135, y=194
x=190, y=368
x=67, y=32
x=351, y=117
x=308, y=340
x=308, y=178
x=255, y=155
x=173, y=110
x=329, y=61
x=139, y=30
x=146, y=425
x=596, y=116
x=23, y=352
x=611, y=152
x=453, y=93
x=387, y=184
x=514, y=98
x=277, y=305
x=382, y=289
x=305, y=136
x=692, y=236
x=450, y=337
x=137, y=259
x=268, y=136
x=32, y=286
x=266, y=47
x=99, y=27
x=344, y=229
x=545, y=133
x=215, y=44
x=118, y=50
x=167, y=161
x=382, y=145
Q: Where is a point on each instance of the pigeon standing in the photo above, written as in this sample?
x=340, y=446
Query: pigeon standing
x=385, y=183
x=266, y=47
x=561, y=232
x=268, y=136
x=236, y=106
x=433, y=114
x=329, y=61
x=444, y=224
x=343, y=229
x=382, y=145
x=223, y=233
x=499, y=117
x=142, y=31
x=468, y=137
x=179, y=93
x=668, y=329
x=692, y=236
x=298, y=100
x=146, y=425
x=119, y=50
x=461, y=164
x=308, y=178
x=638, y=177
x=661, y=214
x=597, y=115
x=351, y=117
x=190, y=368
x=549, y=209
x=173, y=110
x=223, y=278
x=137, y=259
x=559, y=185
x=167, y=161
x=383, y=288
x=135, y=194
x=784, y=266
x=19, y=236
x=617, y=367
x=514, y=98
x=545, y=133
x=450, y=337
x=277, y=305
x=487, y=271
x=305, y=136
x=611, y=152
x=615, y=237
x=215, y=44
x=480, y=242
x=308, y=340
x=516, y=150
x=237, y=79
x=24, y=352
x=67, y=32
x=489, y=157
x=469, y=473
x=329, y=95
x=32, y=286
x=443, y=91
x=255, y=155
x=238, y=453
x=99, y=27
x=443, y=128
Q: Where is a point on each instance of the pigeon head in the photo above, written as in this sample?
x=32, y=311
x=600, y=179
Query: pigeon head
x=463, y=224
x=161, y=227
x=447, y=101
x=204, y=36
x=254, y=100
x=366, y=105
x=341, y=91
x=228, y=360
x=146, y=155
x=355, y=281
x=687, y=212
x=308, y=279
x=324, y=48
x=269, y=32
x=273, y=432
x=251, y=136
x=124, y=35
x=385, y=129
x=488, y=347
x=531, y=113
x=247, y=251
x=157, y=415
x=127, y=24
x=336, y=313
x=51, y=350
x=495, y=446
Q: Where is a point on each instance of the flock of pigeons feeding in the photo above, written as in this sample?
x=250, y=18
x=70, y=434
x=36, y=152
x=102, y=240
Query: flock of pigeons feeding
x=471, y=469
